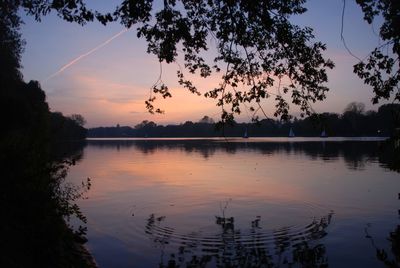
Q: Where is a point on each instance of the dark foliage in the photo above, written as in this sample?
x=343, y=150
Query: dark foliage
x=66, y=128
x=11, y=44
x=258, y=48
x=35, y=200
x=381, y=69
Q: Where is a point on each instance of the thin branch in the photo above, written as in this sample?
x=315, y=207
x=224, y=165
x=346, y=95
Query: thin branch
x=254, y=83
x=159, y=79
x=341, y=33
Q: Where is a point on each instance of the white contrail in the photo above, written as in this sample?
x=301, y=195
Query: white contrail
x=69, y=64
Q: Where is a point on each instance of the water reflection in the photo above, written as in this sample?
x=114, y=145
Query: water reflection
x=231, y=246
x=355, y=153
x=394, y=238
x=390, y=258
x=389, y=154
x=197, y=203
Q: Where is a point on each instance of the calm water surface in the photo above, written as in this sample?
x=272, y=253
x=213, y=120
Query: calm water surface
x=272, y=202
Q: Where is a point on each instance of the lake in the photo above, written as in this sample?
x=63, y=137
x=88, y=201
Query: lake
x=258, y=202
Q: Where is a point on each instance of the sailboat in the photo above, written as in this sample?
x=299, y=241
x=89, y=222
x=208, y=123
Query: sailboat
x=245, y=135
x=291, y=133
x=323, y=134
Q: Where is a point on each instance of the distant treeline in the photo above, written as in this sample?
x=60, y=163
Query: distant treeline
x=354, y=121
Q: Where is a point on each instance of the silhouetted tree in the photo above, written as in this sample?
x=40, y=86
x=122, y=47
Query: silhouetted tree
x=146, y=124
x=355, y=107
x=253, y=39
x=79, y=119
x=381, y=69
x=33, y=198
x=67, y=128
x=11, y=44
x=206, y=120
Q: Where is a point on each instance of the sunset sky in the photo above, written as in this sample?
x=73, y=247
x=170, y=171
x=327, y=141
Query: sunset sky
x=108, y=82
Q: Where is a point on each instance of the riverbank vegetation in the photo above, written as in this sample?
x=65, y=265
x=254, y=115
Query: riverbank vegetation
x=35, y=199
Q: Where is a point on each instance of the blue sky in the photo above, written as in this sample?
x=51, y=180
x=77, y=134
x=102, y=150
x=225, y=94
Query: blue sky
x=110, y=85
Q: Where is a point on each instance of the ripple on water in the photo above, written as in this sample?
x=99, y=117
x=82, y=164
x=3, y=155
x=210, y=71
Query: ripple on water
x=214, y=227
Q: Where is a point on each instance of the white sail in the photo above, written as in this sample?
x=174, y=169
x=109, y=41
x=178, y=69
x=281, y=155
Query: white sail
x=245, y=135
x=291, y=133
